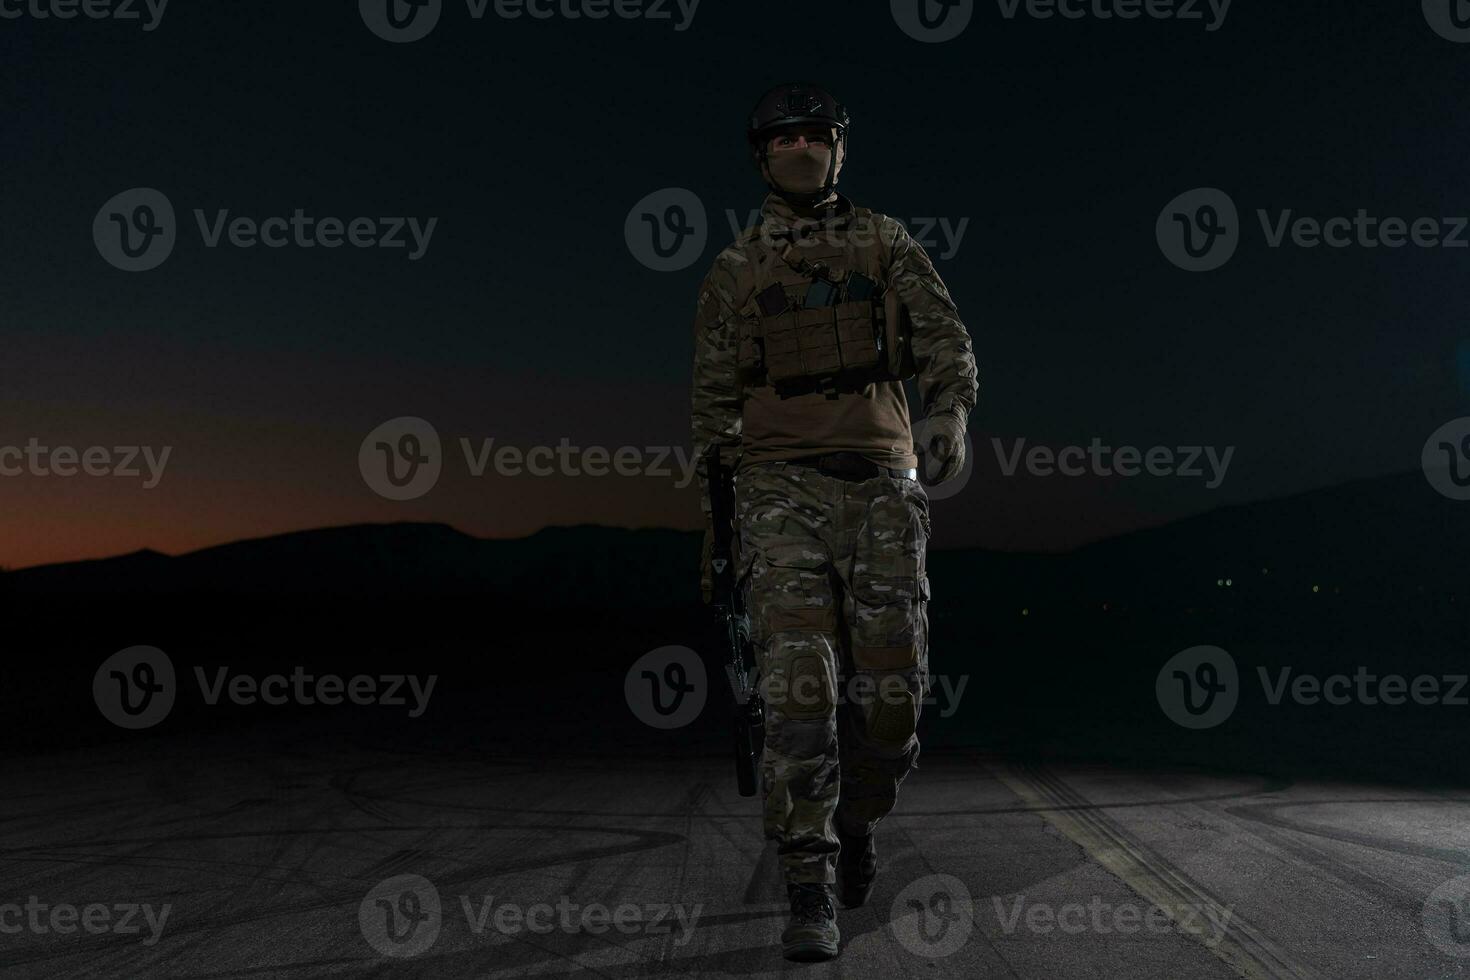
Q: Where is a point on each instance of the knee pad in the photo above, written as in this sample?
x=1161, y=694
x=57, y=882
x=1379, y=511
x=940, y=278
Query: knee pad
x=797, y=676
x=890, y=709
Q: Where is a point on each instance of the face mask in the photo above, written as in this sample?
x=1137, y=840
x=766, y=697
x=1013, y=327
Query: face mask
x=800, y=171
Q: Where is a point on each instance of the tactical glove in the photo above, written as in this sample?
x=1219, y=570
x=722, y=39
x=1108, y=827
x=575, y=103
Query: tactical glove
x=943, y=436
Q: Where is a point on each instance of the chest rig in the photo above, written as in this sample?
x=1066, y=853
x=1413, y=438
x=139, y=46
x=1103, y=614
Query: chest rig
x=819, y=319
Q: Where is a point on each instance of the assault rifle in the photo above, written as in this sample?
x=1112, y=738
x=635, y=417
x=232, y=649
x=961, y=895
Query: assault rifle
x=733, y=621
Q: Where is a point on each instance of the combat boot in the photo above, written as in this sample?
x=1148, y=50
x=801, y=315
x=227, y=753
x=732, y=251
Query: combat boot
x=812, y=934
x=857, y=866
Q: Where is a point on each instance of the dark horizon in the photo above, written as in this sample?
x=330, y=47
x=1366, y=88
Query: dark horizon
x=1404, y=476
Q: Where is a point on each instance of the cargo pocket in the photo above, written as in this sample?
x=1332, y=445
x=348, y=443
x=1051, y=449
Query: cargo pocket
x=887, y=586
x=794, y=594
x=795, y=601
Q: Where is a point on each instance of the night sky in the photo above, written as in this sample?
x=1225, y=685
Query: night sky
x=528, y=319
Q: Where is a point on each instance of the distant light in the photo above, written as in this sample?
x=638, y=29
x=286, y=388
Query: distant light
x=1025, y=612
x=1105, y=607
x=1265, y=571
x=1316, y=588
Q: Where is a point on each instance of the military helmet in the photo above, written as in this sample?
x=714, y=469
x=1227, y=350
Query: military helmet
x=796, y=104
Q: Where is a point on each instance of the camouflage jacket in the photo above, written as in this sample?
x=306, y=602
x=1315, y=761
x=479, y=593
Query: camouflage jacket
x=751, y=424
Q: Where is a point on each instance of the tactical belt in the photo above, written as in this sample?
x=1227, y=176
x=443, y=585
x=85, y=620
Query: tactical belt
x=851, y=466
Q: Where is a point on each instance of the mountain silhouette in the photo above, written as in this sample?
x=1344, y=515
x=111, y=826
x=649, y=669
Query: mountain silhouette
x=1378, y=540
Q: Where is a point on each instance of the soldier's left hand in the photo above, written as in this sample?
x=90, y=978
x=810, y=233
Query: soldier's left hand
x=944, y=437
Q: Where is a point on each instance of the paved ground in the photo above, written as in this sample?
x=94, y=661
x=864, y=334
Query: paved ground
x=294, y=856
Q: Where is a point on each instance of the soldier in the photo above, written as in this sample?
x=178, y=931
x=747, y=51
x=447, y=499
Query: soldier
x=806, y=328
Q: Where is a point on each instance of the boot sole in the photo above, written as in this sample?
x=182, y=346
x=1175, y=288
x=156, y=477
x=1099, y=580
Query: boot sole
x=810, y=950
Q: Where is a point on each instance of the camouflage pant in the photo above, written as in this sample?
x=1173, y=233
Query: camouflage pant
x=838, y=599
